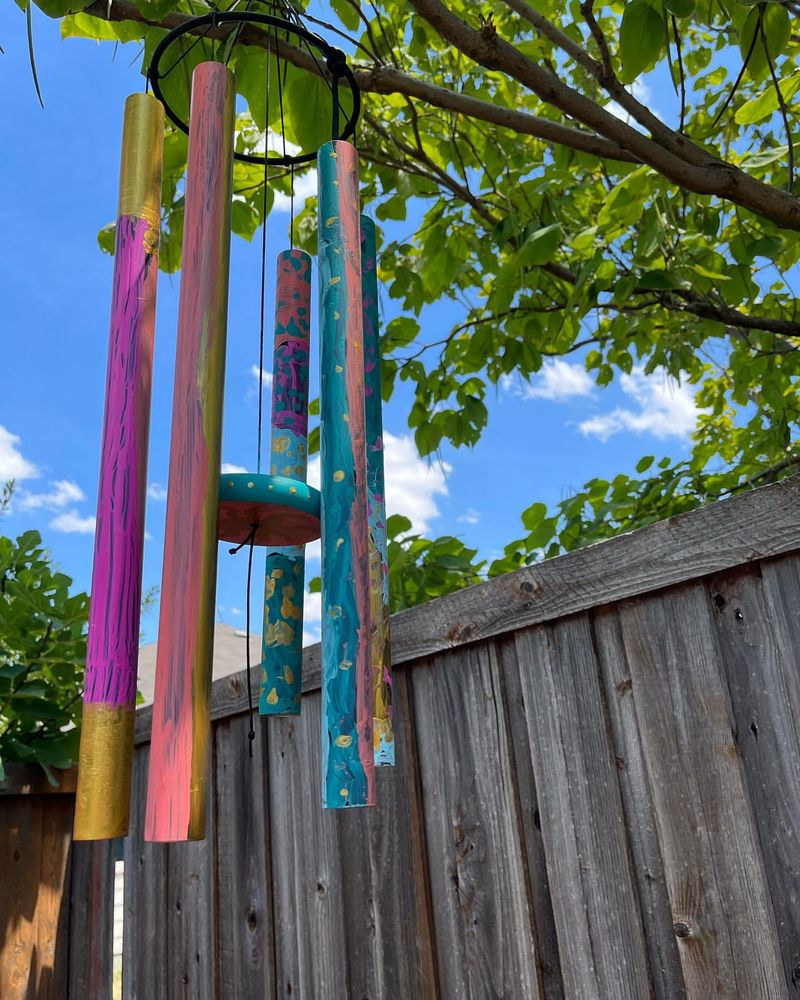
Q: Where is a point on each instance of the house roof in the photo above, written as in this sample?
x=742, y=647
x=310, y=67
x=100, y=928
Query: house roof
x=229, y=657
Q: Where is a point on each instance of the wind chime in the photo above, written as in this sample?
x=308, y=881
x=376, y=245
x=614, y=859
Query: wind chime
x=277, y=510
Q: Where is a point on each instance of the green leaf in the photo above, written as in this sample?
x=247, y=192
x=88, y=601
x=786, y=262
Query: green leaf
x=540, y=246
x=401, y=331
x=347, y=13
x=771, y=23
x=766, y=104
x=642, y=36
x=84, y=25
x=659, y=280
x=680, y=8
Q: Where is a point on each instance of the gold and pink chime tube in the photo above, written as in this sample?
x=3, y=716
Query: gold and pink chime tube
x=179, y=751
x=104, y=773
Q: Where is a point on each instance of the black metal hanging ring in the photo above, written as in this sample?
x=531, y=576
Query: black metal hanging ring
x=335, y=60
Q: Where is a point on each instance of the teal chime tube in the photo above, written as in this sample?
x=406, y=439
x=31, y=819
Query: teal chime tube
x=382, y=731
x=284, y=577
x=348, y=769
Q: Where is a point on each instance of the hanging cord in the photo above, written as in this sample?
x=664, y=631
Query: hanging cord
x=291, y=210
x=263, y=266
x=250, y=540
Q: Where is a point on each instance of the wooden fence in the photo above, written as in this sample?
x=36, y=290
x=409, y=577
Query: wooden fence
x=597, y=797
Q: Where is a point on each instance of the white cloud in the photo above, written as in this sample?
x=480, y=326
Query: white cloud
x=228, y=469
x=157, y=492
x=305, y=187
x=665, y=408
x=71, y=522
x=266, y=376
x=13, y=464
x=312, y=618
x=559, y=380
x=470, y=516
x=644, y=95
x=63, y=493
x=412, y=484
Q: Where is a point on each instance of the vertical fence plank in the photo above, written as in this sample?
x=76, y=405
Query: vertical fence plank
x=759, y=635
x=20, y=849
x=715, y=873
x=191, y=914
x=596, y=908
x=246, y=958
x=384, y=879
x=52, y=917
x=144, y=924
x=311, y=956
x=665, y=965
x=477, y=868
x=551, y=985
x=91, y=923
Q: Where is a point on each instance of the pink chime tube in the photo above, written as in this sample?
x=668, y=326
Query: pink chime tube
x=179, y=750
x=104, y=773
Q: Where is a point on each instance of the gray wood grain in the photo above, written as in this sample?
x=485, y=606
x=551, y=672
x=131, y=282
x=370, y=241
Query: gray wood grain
x=243, y=866
x=753, y=526
x=91, y=919
x=191, y=970
x=389, y=931
x=310, y=918
x=144, y=923
x=715, y=875
x=595, y=903
x=648, y=865
x=551, y=986
x=759, y=634
x=477, y=867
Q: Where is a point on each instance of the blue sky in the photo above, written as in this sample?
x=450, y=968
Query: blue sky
x=58, y=173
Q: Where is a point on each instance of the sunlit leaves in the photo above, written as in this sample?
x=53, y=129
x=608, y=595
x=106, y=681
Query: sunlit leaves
x=642, y=37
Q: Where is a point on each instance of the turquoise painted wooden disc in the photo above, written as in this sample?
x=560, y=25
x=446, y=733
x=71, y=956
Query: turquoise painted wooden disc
x=285, y=510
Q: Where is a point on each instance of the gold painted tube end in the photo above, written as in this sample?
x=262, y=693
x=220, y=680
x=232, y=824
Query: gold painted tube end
x=142, y=156
x=102, y=802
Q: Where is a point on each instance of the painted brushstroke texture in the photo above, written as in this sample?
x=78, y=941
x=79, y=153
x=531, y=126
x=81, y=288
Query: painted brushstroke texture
x=347, y=755
x=284, y=575
x=113, y=639
x=382, y=732
x=104, y=775
x=176, y=791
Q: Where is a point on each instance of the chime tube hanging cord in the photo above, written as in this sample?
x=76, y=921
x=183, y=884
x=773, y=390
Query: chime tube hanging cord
x=382, y=731
x=104, y=774
x=284, y=577
x=348, y=770
x=179, y=751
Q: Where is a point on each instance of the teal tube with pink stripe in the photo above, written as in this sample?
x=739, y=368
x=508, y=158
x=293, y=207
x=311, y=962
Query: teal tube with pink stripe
x=348, y=769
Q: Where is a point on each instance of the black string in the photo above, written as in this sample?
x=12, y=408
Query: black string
x=291, y=210
x=263, y=267
x=251, y=733
x=250, y=540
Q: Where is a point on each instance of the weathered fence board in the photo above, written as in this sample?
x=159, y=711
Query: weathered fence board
x=592, y=888
x=597, y=797
x=714, y=868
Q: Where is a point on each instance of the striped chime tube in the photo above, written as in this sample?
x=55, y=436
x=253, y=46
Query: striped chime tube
x=382, y=733
x=104, y=773
x=176, y=790
x=284, y=578
x=348, y=769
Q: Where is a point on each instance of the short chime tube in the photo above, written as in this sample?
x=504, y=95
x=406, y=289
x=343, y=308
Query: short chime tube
x=176, y=791
x=348, y=769
x=382, y=732
x=109, y=701
x=284, y=578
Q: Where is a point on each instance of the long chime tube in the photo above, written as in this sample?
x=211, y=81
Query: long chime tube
x=284, y=577
x=348, y=769
x=104, y=774
x=176, y=790
x=382, y=731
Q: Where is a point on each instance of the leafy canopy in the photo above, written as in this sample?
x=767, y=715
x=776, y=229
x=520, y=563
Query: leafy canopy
x=560, y=212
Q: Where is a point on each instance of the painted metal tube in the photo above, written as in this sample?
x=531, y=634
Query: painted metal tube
x=179, y=751
x=382, y=731
x=348, y=768
x=284, y=575
x=109, y=701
